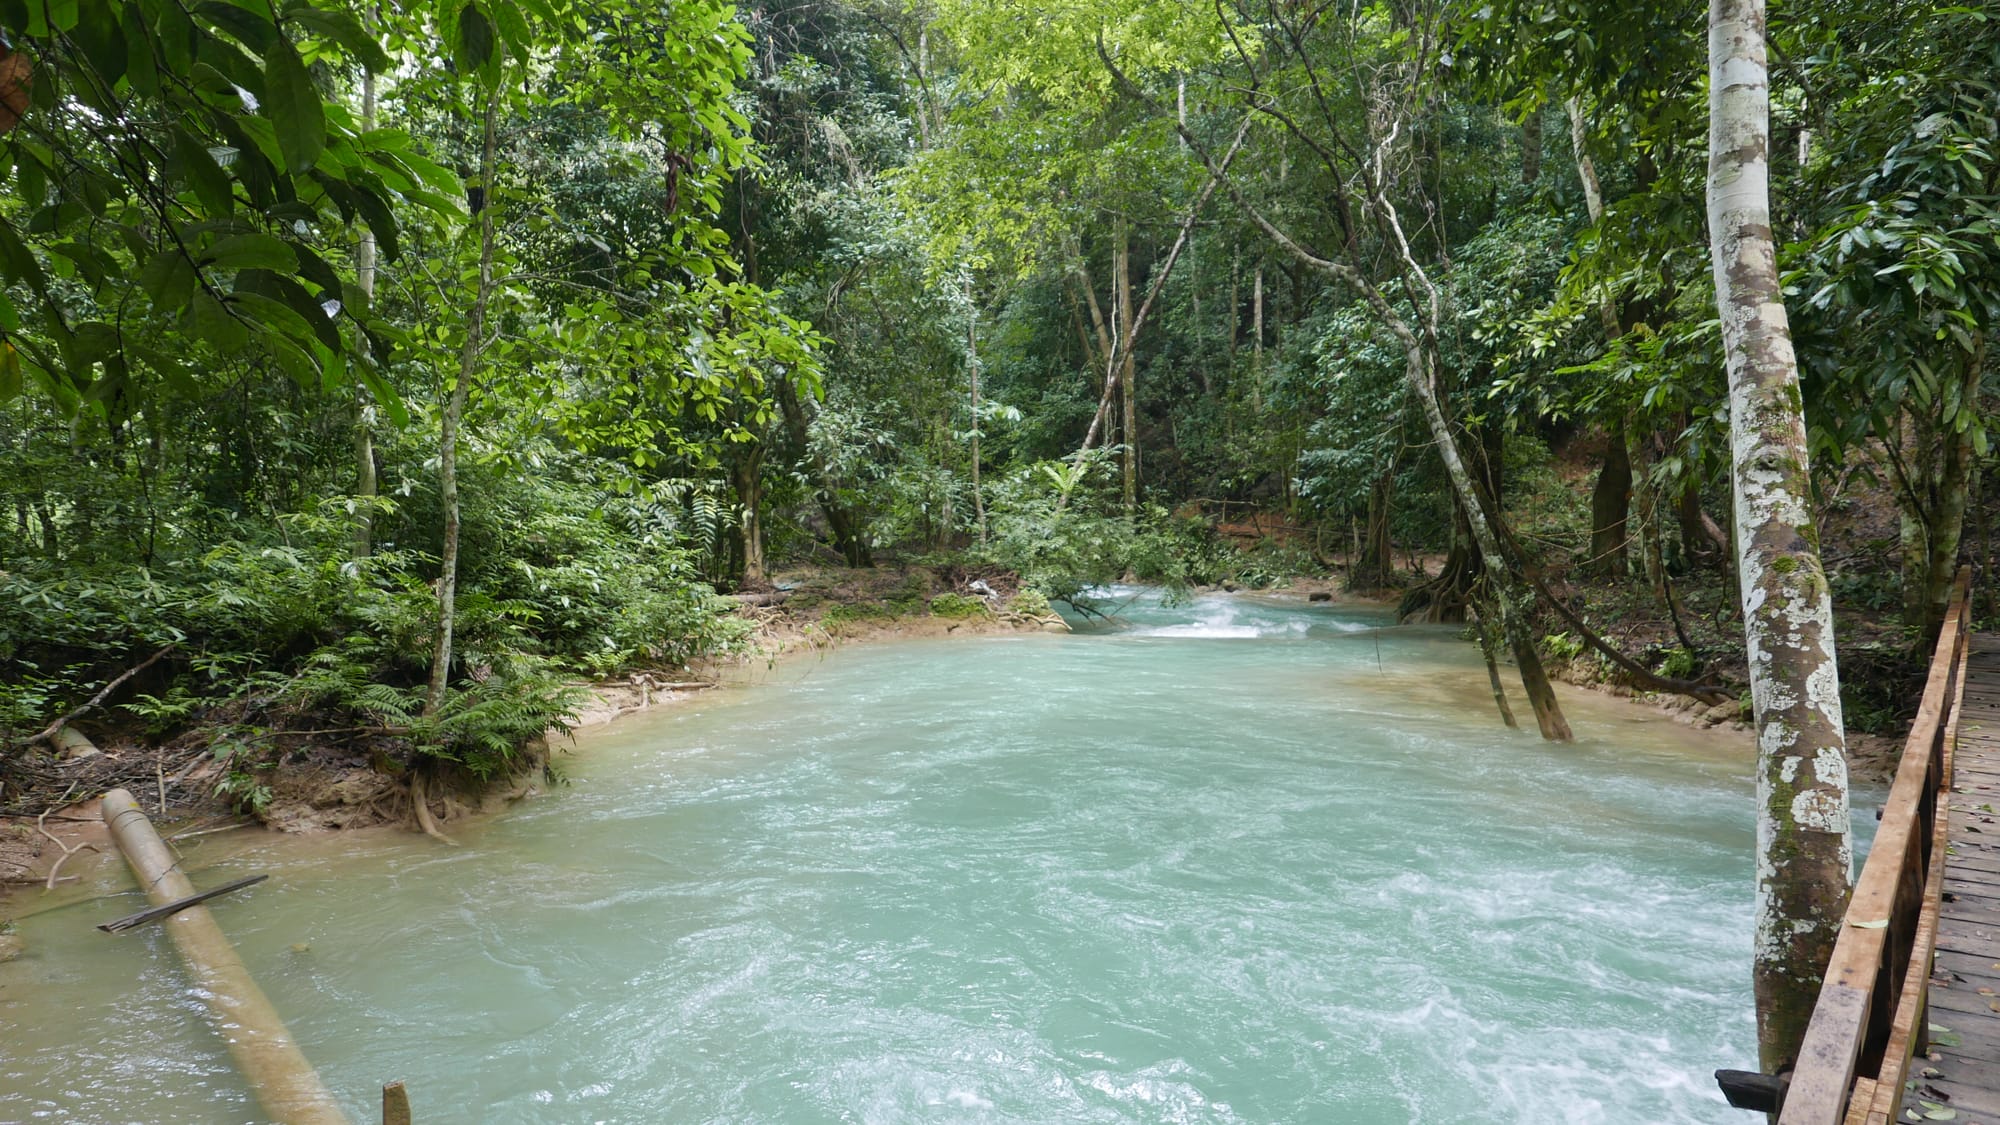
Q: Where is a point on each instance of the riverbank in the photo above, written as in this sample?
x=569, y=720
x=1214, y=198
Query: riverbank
x=320, y=783
x=330, y=784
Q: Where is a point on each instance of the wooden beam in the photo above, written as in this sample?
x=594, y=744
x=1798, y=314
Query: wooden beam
x=1837, y=1037
x=395, y=1104
x=286, y=1085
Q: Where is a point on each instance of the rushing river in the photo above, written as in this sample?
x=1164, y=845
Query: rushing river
x=1237, y=860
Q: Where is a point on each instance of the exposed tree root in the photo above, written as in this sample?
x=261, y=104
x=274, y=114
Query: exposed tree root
x=420, y=804
x=55, y=868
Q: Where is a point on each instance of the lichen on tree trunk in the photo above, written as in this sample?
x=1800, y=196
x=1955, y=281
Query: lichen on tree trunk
x=1804, y=856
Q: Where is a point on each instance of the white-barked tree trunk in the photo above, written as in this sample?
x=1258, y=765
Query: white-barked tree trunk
x=1804, y=854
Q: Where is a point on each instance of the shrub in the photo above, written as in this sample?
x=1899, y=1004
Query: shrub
x=959, y=606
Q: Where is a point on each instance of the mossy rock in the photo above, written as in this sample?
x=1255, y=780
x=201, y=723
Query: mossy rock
x=856, y=611
x=913, y=588
x=958, y=606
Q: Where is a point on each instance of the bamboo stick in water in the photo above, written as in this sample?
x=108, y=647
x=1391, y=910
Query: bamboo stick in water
x=286, y=1084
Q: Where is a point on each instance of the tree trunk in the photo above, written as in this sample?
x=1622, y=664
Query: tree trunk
x=1699, y=534
x=972, y=371
x=1803, y=850
x=1645, y=514
x=1374, y=559
x=1100, y=368
x=746, y=475
x=366, y=484
x=1486, y=652
x=46, y=520
x=1128, y=369
x=846, y=536
x=1610, y=501
x=1531, y=149
x=1257, y=339
x=1951, y=487
x=454, y=413
x=1507, y=593
x=1235, y=305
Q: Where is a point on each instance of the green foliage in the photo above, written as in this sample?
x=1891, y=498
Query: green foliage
x=1678, y=664
x=1563, y=646
x=207, y=219
x=1058, y=536
x=959, y=607
x=856, y=612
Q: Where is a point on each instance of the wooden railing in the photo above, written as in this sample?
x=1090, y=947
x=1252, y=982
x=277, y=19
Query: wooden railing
x=1870, y=1019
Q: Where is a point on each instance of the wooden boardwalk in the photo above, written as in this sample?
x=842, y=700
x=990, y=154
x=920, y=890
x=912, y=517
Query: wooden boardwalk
x=1963, y=1068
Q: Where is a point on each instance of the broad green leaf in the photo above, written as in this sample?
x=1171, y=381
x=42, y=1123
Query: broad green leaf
x=103, y=43
x=250, y=251
x=474, y=46
x=141, y=70
x=168, y=279
x=210, y=321
x=292, y=105
x=194, y=163
x=274, y=315
x=345, y=30
x=512, y=28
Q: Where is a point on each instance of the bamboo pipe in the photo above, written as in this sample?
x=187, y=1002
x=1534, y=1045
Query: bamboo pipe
x=285, y=1083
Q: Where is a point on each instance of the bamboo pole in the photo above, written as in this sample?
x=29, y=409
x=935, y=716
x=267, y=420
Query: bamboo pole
x=285, y=1083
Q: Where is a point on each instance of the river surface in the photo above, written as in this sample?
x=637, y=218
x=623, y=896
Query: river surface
x=1236, y=860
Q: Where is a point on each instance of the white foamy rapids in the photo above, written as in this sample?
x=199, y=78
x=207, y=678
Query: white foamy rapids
x=1219, y=618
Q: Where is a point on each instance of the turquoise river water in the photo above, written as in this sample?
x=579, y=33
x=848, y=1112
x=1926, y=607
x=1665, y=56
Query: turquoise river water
x=1236, y=860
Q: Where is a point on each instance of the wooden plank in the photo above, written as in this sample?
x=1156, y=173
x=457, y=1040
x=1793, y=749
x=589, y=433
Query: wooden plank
x=1965, y=966
x=1965, y=1003
x=1906, y=1031
x=1860, y=1110
x=395, y=1104
x=1882, y=903
x=1963, y=1068
x=1973, y=881
x=1986, y=944
x=1820, y=1082
x=1965, y=1098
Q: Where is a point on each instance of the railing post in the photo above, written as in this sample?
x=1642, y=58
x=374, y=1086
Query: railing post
x=1870, y=1016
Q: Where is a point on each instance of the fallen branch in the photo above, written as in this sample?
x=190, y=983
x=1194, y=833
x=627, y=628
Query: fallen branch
x=1643, y=676
x=55, y=868
x=103, y=693
x=193, y=832
x=130, y=921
